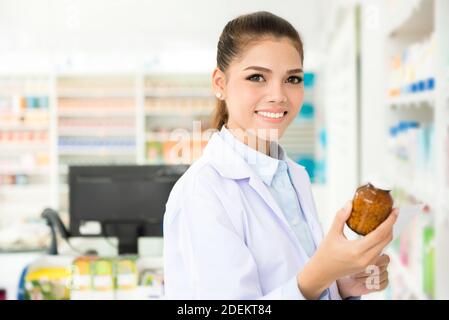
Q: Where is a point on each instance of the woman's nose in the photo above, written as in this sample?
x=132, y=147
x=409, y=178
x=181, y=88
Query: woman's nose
x=276, y=93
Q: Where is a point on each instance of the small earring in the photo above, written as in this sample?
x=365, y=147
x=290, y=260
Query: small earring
x=218, y=95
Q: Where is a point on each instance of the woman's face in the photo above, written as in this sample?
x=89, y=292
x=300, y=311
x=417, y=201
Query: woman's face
x=263, y=88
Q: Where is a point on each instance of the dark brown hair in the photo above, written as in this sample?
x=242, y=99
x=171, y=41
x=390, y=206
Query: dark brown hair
x=238, y=34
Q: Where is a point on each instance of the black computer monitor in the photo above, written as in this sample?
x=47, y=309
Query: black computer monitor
x=126, y=202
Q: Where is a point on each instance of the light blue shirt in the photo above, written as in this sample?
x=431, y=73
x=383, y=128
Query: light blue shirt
x=276, y=176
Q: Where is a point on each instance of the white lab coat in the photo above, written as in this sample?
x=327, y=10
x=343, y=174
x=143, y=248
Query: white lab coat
x=225, y=237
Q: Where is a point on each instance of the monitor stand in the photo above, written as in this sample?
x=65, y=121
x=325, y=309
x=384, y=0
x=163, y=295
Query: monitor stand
x=128, y=237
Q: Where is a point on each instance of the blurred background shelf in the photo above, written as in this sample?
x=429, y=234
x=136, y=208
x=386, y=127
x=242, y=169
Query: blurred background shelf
x=413, y=100
x=90, y=132
x=22, y=189
x=178, y=113
x=25, y=146
x=420, y=193
x=182, y=93
x=409, y=278
x=103, y=151
x=26, y=171
x=414, y=141
x=96, y=123
x=21, y=127
x=88, y=93
x=173, y=102
x=109, y=113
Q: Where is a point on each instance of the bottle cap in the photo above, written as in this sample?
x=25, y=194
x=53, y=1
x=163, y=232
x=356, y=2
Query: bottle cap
x=380, y=183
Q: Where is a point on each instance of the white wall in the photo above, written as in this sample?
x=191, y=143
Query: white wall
x=123, y=33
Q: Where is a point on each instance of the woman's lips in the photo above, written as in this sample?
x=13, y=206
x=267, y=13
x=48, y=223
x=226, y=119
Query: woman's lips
x=273, y=117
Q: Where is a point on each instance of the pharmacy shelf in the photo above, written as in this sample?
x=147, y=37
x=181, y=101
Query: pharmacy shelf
x=109, y=113
x=405, y=46
x=167, y=139
x=20, y=127
x=417, y=191
x=414, y=42
x=95, y=116
x=28, y=171
x=157, y=136
x=178, y=113
x=43, y=112
x=23, y=147
x=92, y=94
x=93, y=132
x=100, y=151
x=406, y=275
x=416, y=100
x=21, y=189
x=174, y=100
x=183, y=93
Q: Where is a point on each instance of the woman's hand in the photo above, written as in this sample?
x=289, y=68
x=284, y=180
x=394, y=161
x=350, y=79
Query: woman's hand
x=374, y=278
x=337, y=257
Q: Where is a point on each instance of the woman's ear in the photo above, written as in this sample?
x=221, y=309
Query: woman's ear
x=219, y=83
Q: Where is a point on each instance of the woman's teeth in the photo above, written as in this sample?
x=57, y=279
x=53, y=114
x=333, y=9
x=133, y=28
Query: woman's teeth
x=270, y=114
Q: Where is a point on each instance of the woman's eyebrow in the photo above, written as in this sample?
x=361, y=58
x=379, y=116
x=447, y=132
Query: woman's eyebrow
x=258, y=68
x=298, y=70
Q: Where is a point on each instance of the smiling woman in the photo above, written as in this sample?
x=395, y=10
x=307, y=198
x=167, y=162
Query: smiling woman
x=270, y=44
x=241, y=223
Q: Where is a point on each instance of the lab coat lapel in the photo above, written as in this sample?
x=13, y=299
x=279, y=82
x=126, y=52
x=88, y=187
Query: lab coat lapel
x=230, y=165
x=300, y=182
x=224, y=159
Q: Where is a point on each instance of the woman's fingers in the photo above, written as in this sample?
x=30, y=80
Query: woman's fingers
x=380, y=261
x=341, y=218
x=376, y=250
x=367, y=273
x=370, y=257
x=384, y=284
x=383, y=260
x=371, y=283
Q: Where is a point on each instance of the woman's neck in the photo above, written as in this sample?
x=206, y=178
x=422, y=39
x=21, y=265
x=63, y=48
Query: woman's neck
x=251, y=139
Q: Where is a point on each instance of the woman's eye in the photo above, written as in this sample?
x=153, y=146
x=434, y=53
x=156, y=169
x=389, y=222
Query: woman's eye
x=255, y=78
x=295, y=80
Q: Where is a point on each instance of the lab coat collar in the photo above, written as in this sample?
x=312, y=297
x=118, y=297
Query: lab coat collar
x=264, y=165
x=225, y=160
x=229, y=164
x=232, y=166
